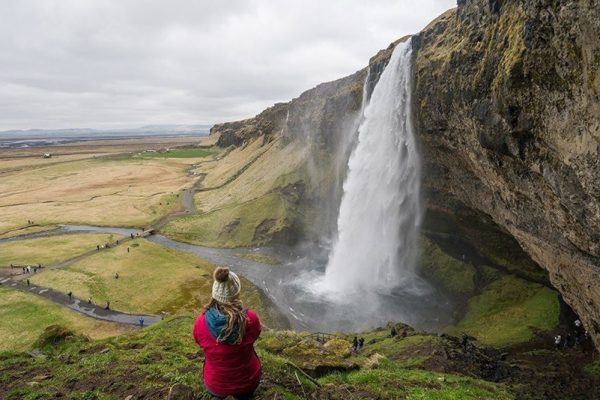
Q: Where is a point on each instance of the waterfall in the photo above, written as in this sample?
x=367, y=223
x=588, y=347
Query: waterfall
x=380, y=212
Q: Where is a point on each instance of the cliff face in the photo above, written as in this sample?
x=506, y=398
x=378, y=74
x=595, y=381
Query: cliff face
x=507, y=99
x=509, y=112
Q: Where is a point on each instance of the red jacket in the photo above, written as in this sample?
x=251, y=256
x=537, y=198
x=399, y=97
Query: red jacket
x=230, y=369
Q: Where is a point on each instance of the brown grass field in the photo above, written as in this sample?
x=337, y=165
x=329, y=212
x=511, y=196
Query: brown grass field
x=120, y=191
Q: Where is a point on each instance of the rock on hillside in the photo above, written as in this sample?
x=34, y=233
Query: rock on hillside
x=507, y=95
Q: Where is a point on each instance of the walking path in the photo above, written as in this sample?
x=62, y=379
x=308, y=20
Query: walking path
x=91, y=310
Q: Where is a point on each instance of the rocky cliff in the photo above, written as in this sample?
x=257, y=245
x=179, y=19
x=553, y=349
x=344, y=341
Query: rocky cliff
x=509, y=112
x=507, y=99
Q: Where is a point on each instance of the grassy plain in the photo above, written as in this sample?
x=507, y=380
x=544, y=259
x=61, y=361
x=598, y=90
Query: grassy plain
x=25, y=316
x=188, y=152
x=52, y=249
x=121, y=192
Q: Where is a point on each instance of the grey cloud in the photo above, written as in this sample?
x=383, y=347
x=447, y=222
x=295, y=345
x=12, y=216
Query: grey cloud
x=112, y=63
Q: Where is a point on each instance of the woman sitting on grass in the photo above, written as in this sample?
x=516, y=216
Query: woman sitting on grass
x=226, y=332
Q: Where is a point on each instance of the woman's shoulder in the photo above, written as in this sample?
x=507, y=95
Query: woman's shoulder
x=199, y=323
x=253, y=318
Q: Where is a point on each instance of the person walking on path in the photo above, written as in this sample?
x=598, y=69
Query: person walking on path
x=107, y=305
x=97, y=247
x=361, y=343
x=128, y=249
x=116, y=275
x=70, y=294
x=90, y=300
x=226, y=332
x=355, y=344
x=142, y=322
x=28, y=283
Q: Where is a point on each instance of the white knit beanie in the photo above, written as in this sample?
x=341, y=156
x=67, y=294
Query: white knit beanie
x=226, y=286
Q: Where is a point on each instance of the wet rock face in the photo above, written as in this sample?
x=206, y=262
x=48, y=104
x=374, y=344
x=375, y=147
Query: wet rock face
x=508, y=106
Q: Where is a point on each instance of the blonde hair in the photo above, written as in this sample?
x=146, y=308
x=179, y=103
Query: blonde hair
x=236, y=318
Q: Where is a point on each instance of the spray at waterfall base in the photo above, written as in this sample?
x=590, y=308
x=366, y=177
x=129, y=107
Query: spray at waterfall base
x=368, y=277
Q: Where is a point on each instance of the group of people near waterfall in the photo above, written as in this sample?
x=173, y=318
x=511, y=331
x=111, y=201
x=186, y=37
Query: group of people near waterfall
x=357, y=344
x=575, y=337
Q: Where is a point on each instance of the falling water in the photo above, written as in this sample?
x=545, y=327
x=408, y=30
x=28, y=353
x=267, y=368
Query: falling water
x=380, y=211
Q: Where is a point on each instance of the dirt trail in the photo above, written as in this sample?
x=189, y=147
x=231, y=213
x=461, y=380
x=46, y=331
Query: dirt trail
x=83, y=307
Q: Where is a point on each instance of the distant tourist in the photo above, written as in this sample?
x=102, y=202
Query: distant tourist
x=393, y=332
x=128, y=249
x=142, y=322
x=107, y=305
x=28, y=269
x=131, y=234
x=28, y=283
x=98, y=247
x=226, y=331
x=116, y=275
x=361, y=343
x=90, y=300
x=70, y=294
x=557, y=342
x=117, y=241
x=24, y=270
x=355, y=344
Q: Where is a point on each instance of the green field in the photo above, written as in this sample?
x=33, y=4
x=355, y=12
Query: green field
x=25, y=316
x=51, y=249
x=181, y=153
x=152, y=279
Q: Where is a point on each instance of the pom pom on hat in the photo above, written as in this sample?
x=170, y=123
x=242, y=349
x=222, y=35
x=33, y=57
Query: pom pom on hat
x=226, y=286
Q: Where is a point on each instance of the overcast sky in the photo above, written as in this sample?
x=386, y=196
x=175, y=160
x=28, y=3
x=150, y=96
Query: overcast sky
x=116, y=63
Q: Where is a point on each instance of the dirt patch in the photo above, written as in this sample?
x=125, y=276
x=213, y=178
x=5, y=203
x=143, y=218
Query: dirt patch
x=262, y=230
x=231, y=227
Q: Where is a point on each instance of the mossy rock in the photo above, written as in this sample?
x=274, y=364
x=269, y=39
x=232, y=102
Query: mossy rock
x=318, y=358
x=508, y=311
x=55, y=335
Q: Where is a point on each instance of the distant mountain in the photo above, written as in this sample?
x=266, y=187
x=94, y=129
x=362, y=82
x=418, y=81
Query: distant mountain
x=148, y=130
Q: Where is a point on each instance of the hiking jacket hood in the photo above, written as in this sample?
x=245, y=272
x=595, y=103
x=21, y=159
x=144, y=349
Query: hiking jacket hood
x=229, y=369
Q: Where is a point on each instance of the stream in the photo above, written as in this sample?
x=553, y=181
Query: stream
x=285, y=285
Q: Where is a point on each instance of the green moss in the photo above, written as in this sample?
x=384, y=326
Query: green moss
x=390, y=381
x=593, y=369
x=446, y=272
x=192, y=152
x=507, y=310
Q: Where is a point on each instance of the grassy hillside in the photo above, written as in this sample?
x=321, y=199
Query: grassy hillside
x=248, y=197
x=144, y=364
x=25, y=316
